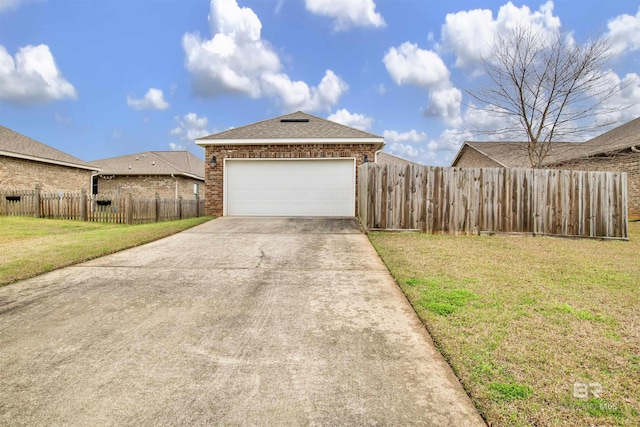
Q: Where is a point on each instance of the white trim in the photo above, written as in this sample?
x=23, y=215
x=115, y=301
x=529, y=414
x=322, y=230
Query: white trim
x=225, y=180
x=50, y=161
x=291, y=141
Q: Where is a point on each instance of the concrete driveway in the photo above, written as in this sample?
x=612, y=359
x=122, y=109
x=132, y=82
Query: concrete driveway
x=235, y=322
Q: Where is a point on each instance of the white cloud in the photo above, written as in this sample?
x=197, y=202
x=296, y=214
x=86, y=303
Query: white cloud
x=417, y=147
x=393, y=136
x=625, y=105
x=32, y=77
x=9, y=4
x=404, y=150
x=347, y=14
x=177, y=147
x=297, y=95
x=358, y=121
x=237, y=61
x=408, y=145
x=190, y=127
x=469, y=34
x=445, y=104
x=624, y=32
x=408, y=64
x=153, y=100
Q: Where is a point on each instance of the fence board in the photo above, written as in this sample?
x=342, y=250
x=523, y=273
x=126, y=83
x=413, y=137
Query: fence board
x=472, y=201
x=110, y=208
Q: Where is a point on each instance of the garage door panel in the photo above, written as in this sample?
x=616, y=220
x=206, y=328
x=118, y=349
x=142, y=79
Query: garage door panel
x=290, y=187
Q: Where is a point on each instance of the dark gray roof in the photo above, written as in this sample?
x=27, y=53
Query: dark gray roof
x=154, y=163
x=14, y=144
x=616, y=139
x=389, y=159
x=307, y=126
x=514, y=154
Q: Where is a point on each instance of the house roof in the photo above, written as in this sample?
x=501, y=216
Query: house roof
x=388, y=159
x=291, y=128
x=514, y=154
x=14, y=144
x=154, y=163
x=620, y=138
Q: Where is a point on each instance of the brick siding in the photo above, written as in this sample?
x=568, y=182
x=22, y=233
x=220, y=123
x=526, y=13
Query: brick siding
x=626, y=161
x=24, y=174
x=214, y=186
x=471, y=158
x=147, y=186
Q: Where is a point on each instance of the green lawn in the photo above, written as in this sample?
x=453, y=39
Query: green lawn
x=30, y=246
x=541, y=331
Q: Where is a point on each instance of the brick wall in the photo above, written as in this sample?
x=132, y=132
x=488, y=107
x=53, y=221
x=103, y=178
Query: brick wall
x=147, y=186
x=626, y=161
x=25, y=174
x=214, y=176
x=471, y=158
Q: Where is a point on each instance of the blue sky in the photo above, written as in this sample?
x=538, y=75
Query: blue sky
x=101, y=78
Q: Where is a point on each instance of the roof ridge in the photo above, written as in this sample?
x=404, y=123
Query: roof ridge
x=251, y=124
x=316, y=127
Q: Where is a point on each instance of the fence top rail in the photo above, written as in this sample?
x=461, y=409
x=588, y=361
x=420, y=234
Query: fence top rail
x=392, y=166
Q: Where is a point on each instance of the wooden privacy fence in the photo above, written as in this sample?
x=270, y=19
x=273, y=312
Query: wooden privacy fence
x=472, y=201
x=123, y=209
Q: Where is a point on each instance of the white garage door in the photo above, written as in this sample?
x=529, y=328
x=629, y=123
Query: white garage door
x=324, y=187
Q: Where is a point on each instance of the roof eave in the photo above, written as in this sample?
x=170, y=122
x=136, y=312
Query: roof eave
x=51, y=161
x=289, y=141
x=134, y=173
x=488, y=156
x=457, y=157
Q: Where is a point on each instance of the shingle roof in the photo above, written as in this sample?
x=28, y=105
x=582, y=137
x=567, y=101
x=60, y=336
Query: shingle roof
x=296, y=125
x=619, y=138
x=154, y=163
x=14, y=144
x=514, y=154
x=388, y=159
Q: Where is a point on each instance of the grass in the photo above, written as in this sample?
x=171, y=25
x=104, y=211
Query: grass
x=31, y=246
x=541, y=331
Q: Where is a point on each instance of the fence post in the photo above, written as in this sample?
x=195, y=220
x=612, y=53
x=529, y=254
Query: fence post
x=179, y=207
x=83, y=204
x=128, y=208
x=197, y=206
x=157, y=207
x=36, y=201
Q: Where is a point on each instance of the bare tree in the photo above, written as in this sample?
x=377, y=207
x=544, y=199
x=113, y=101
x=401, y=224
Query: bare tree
x=547, y=86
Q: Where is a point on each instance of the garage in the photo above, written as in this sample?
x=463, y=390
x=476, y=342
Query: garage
x=292, y=165
x=293, y=187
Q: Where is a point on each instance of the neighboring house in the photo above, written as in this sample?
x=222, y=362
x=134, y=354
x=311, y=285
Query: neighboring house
x=616, y=150
x=389, y=159
x=167, y=174
x=293, y=165
x=25, y=162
